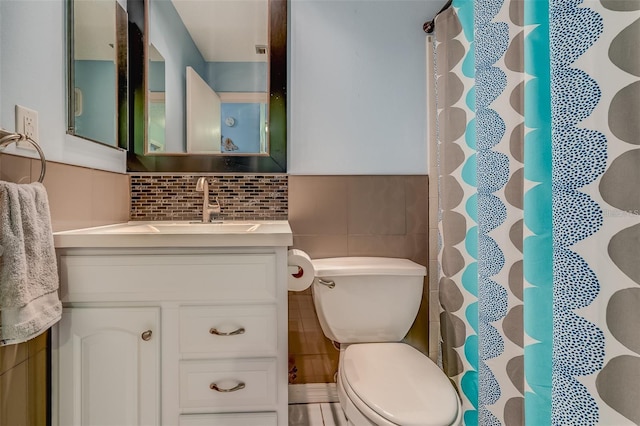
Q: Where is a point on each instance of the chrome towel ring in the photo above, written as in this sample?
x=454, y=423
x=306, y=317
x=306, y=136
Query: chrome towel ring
x=9, y=138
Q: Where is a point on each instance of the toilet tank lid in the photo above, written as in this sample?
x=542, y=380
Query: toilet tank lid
x=342, y=266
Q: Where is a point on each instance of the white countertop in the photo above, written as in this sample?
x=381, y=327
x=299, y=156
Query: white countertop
x=254, y=233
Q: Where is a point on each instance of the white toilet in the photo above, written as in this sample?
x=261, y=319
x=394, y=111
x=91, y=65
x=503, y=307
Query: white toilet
x=367, y=305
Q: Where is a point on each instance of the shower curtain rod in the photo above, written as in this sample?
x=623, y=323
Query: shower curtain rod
x=429, y=26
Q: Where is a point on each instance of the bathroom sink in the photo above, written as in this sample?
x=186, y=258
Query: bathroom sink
x=179, y=234
x=185, y=228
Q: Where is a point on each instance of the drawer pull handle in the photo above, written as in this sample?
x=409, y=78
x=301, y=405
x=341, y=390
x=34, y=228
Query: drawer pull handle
x=237, y=387
x=146, y=335
x=231, y=333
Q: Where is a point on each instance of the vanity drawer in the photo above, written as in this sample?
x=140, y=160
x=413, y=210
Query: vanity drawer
x=243, y=384
x=230, y=419
x=228, y=331
x=247, y=277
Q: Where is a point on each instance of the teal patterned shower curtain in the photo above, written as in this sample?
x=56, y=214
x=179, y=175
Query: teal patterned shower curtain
x=538, y=134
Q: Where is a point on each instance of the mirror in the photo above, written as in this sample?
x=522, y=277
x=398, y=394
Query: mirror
x=222, y=47
x=97, y=56
x=156, y=102
x=211, y=95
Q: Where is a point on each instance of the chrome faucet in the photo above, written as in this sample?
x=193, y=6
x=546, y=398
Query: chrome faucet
x=207, y=209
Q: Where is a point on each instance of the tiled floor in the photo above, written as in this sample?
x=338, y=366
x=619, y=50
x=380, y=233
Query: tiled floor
x=322, y=414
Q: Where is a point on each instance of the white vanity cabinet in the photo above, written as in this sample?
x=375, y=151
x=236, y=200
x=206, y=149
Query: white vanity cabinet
x=171, y=336
x=108, y=358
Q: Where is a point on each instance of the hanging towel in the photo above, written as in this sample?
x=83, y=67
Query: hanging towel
x=29, y=302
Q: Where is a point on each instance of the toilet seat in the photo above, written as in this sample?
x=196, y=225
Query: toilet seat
x=394, y=384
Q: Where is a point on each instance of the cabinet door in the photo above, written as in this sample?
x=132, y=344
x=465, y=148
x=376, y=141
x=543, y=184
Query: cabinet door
x=109, y=361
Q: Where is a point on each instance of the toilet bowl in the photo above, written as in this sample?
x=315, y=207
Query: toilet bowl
x=367, y=305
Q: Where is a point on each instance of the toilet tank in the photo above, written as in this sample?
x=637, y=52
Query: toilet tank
x=375, y=299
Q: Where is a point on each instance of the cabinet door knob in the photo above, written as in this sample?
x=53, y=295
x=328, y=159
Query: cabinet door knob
x=231, y=333
x=146, y=335
x=237, y=387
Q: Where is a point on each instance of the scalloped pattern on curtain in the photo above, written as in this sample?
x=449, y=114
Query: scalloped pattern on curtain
x=538, y=106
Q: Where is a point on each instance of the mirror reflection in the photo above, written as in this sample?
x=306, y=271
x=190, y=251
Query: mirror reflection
x=98, y=70
x=207, y=77
x=127, y=80
x=156, y=101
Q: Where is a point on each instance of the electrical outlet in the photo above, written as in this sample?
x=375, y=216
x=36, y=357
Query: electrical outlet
x=27, y=124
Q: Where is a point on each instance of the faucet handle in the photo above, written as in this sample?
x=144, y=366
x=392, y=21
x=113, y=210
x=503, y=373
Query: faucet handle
x=215, y=206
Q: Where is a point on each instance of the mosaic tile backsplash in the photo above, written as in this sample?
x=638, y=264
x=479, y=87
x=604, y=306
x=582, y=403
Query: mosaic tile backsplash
x=241, y=197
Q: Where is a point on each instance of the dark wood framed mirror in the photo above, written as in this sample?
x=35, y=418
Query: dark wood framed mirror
x=97, y=48
x=273, y=159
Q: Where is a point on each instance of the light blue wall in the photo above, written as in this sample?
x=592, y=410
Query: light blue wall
x=357, y=91
x=96, y=81
x=156, y=76
x=169, y=35
x=245, y=133
x=33, y=74
x=237, y=76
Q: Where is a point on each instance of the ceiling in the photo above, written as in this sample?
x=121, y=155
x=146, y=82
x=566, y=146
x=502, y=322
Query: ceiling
x=223, y=30
x=94, y=35
x=226, y=30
